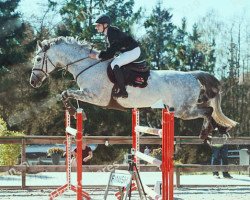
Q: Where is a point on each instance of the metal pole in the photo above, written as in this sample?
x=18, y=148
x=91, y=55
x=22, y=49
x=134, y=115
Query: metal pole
x=164, y=155
x=79, y=153
x=171, y=144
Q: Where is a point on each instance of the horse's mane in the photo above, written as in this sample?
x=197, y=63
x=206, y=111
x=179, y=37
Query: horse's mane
x=67, y=40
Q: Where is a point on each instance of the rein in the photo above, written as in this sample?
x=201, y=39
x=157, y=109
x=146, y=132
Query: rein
x=86, y=69
x=45, y=63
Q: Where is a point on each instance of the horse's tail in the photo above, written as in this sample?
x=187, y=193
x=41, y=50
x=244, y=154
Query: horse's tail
x=218, y=115
x=212, y=91
x=209, y=84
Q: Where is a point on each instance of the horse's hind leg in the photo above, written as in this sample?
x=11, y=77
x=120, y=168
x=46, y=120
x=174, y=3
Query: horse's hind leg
x=221, y=129
x=204, y=112
x=209, y=125
x=206, y=128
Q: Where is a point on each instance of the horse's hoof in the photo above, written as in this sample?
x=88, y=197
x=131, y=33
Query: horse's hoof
x=207, y=141
x=115, y=98
x=203, y=136
x=72, y=112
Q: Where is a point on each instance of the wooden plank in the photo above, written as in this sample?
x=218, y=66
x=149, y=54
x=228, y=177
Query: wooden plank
x=211, y=168
x=62, y=168
x=23, y=161
x=107, y=168
x=89, y=140
x=195, y=140
x=178, y=180
x=120, y=140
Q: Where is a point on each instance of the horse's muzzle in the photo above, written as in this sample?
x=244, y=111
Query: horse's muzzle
x=35, y=82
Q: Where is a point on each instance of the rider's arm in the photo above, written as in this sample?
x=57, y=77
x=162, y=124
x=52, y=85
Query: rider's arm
x=115, y=38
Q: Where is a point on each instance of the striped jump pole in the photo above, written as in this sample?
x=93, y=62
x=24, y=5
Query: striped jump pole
x=135, y=139
x=78, y=134
x=167, y=135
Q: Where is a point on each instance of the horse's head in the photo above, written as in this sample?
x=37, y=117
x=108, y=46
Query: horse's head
x=43, y=64
x=59, y=52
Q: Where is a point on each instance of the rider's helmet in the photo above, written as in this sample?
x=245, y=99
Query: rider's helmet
x=103, y=19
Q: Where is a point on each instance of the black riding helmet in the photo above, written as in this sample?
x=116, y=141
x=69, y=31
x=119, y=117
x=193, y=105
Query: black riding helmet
x=103, y=19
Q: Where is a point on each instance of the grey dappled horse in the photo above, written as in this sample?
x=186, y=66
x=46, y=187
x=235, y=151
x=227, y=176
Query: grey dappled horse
x=194, y=94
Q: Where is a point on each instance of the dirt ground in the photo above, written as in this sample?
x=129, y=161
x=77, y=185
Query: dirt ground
x=225, y=189
x=228, y=193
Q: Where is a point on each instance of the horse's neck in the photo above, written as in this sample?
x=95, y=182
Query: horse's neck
x=85, y=70
x=71, y=59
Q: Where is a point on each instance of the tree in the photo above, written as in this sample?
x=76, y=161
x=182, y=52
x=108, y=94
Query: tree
x=79, y=16
x=47, y=109
x=158, y=43
x=237, y=95
x=16, y=43
x=194, y=54
x=181, y=40
x=12, y=35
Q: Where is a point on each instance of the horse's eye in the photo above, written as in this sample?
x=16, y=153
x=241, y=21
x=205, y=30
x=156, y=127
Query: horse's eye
x=38, y=59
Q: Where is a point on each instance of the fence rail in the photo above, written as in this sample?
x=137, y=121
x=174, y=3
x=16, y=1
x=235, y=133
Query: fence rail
x=120, y=140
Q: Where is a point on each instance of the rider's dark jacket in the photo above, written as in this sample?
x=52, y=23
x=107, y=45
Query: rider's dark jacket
x=117, y=42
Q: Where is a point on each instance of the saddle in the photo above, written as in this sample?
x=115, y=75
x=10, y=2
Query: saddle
x=135, y=74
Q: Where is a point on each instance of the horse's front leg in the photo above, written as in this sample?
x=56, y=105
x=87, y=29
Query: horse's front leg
x=82, y=95
x=67, y=104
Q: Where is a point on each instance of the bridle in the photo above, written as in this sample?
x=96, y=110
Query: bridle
x=46, y=58
x=44, y=68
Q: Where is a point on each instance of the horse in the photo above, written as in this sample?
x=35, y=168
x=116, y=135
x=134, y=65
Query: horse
x=193, y=94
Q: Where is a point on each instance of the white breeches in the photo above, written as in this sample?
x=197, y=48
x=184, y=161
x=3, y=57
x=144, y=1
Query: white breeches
x=126, y=57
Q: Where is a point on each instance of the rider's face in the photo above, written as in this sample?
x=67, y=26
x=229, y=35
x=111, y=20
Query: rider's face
x=100, y=27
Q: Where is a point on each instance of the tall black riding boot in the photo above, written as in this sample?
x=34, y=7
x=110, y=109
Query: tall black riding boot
x=120, y=82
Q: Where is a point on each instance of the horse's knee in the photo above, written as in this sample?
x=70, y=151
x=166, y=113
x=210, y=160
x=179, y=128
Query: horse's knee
x=209, y=111
x=64, y=94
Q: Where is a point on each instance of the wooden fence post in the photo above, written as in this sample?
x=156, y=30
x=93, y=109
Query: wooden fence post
x=23, y=161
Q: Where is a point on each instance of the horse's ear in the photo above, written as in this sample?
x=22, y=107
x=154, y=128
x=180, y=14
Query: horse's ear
x=39, y=43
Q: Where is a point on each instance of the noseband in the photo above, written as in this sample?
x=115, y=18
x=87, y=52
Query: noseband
x=44, y=68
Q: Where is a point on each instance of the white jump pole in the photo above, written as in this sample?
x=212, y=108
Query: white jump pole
x=71, y=131
x=149, y=130
x=151, y=193
x=149, y=159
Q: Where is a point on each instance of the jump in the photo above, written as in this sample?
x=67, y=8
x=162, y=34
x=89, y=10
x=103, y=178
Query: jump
x=193, y=95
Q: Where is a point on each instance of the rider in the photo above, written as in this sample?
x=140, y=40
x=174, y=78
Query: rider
x=117, y=41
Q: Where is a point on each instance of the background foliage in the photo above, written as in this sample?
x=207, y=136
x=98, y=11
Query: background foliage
x=9, y=153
